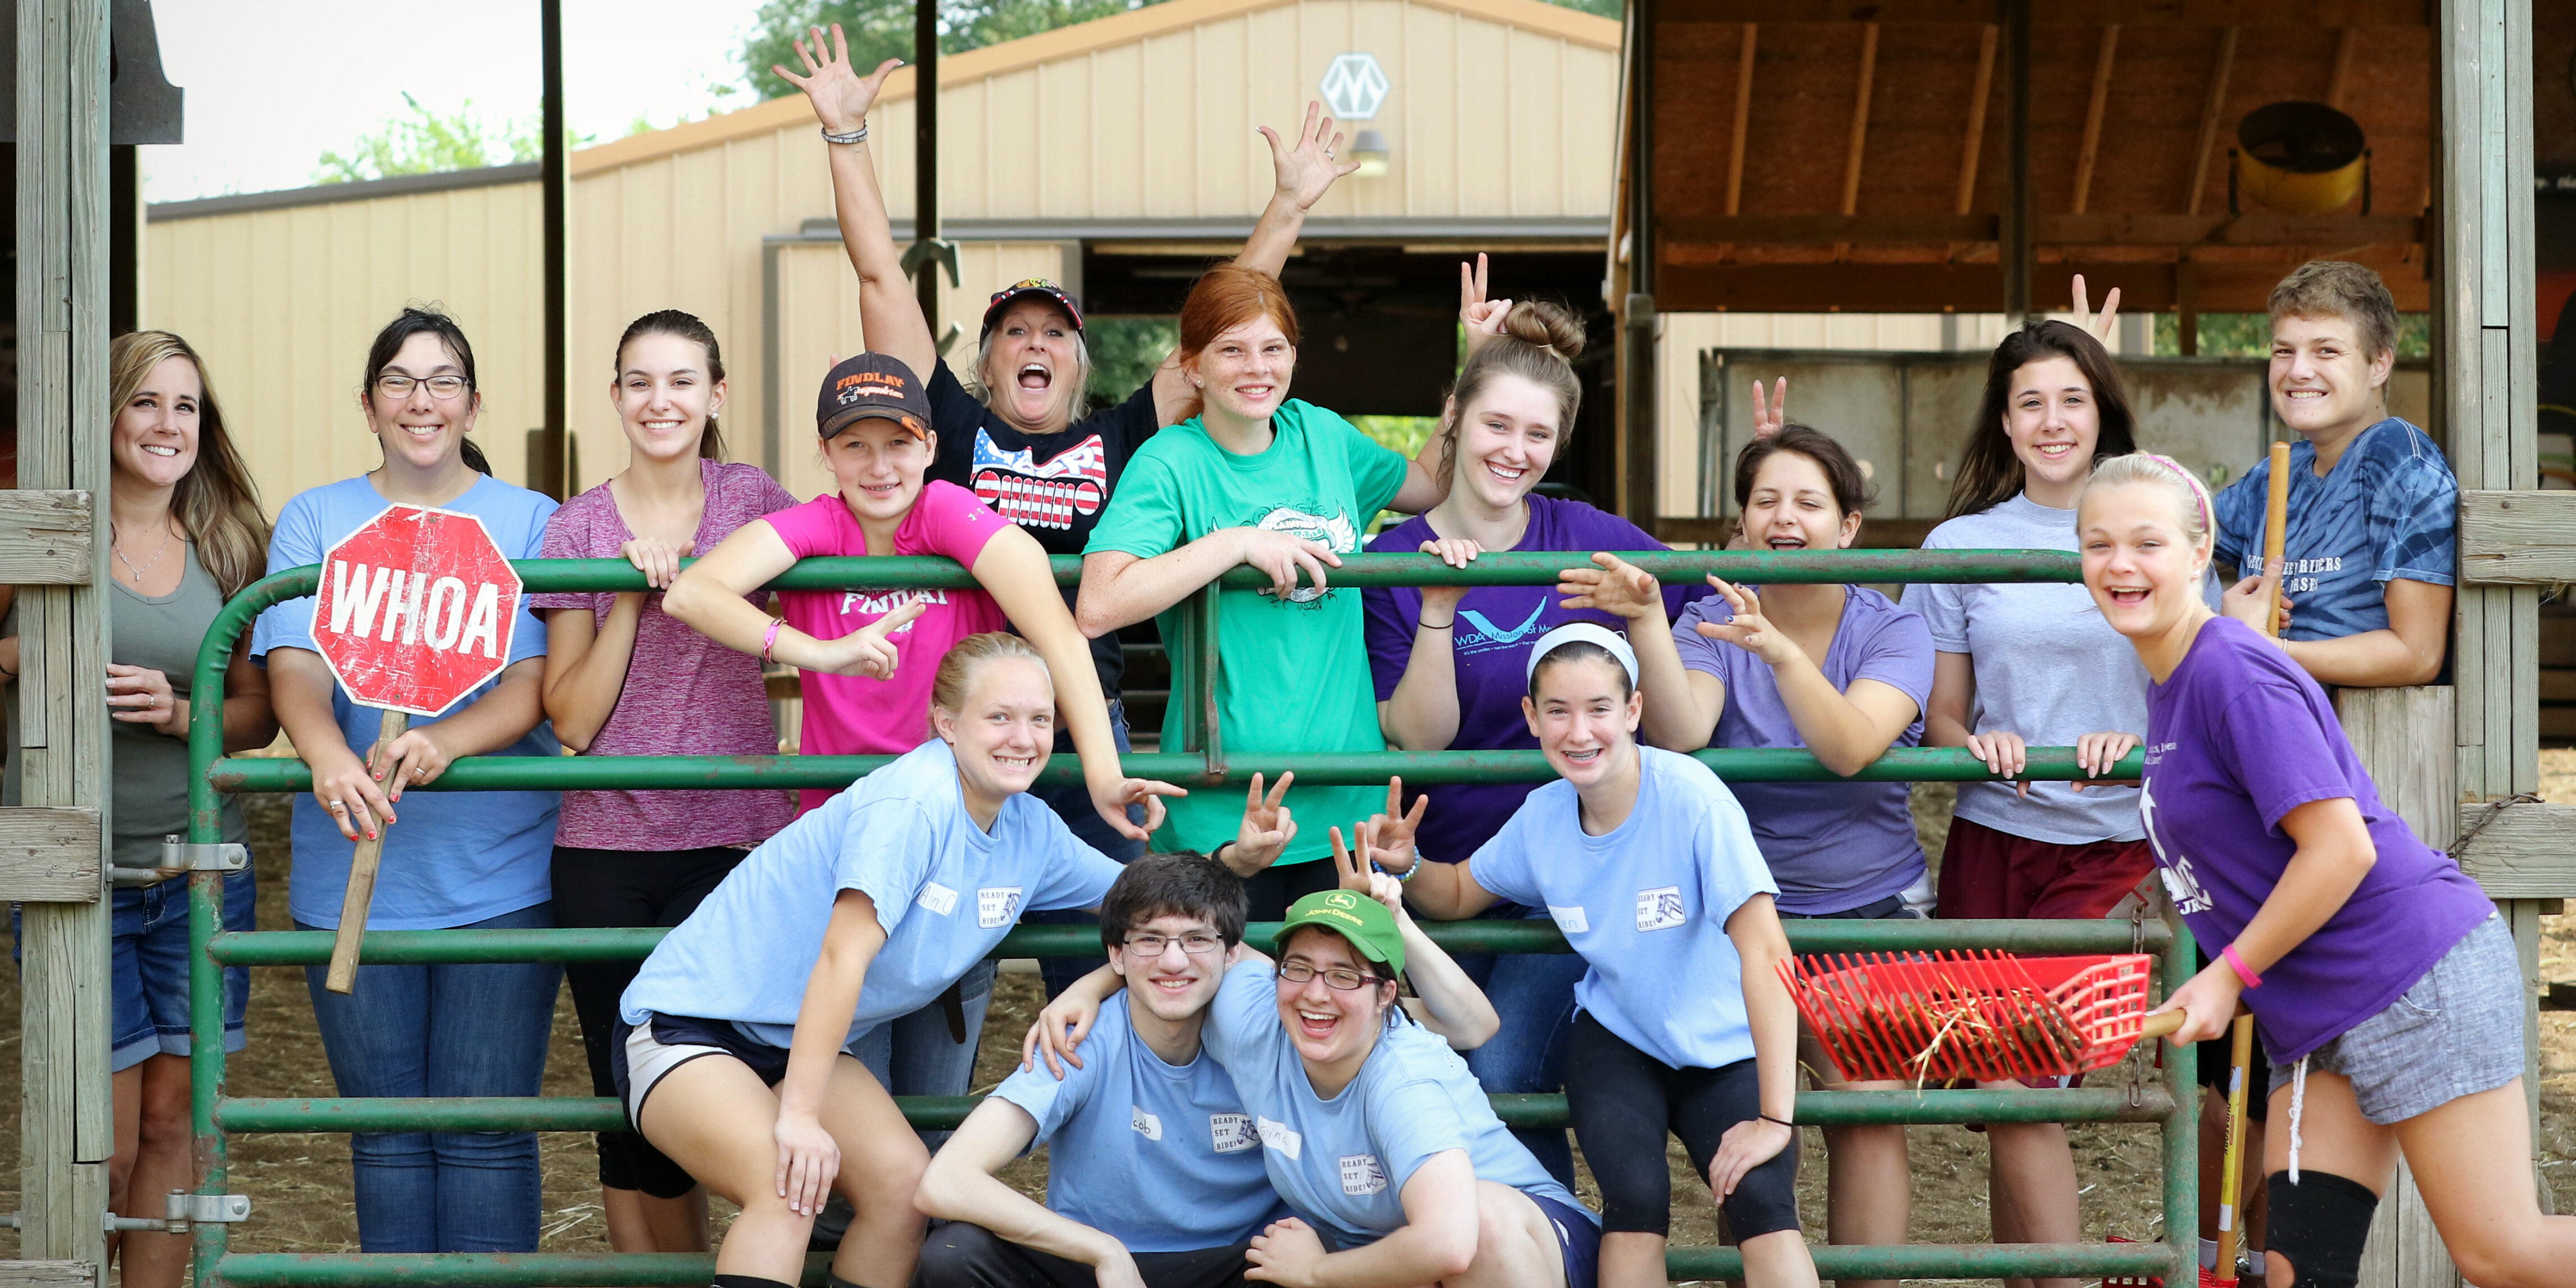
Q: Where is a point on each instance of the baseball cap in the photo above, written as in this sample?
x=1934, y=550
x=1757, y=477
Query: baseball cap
x=1038, y=286
x=1610, y=641
x=1355, y=917
x=871, y=384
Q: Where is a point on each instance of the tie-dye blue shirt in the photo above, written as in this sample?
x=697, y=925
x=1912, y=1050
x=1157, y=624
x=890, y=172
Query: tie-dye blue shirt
x=2387, y=511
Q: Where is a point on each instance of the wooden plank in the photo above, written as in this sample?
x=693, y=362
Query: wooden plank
x=2211, y=117
x=2341, y=79
x=1982, y=90
x=2130, y=229
x=2518, y=538
x=2307, y=16
x=2091, y=148
x=2525, y=852
x=44, y=538
x=47, y=1274
x=1860, y=117
x=2389, y=728
x=50, y=855
x=1743, y=120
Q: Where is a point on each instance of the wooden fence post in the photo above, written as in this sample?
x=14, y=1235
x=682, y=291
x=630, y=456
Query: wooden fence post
x=62, y=234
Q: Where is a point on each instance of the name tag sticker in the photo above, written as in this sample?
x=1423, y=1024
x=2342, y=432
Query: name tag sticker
x=938, y=898
x=1232, y=1133
x=1569, y=920
x=1147, y=1125
x=997, y=906
x=1362, y=1174
x=1660, y=908
x=1277, y=1136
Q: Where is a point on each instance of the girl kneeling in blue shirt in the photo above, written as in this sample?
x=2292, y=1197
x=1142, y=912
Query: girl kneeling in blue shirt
x=862, y=911
x=1647, y=864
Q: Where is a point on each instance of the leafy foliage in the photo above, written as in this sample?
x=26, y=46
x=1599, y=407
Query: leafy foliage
x=1124, y=353
x=427, y=142
x=2249, y=335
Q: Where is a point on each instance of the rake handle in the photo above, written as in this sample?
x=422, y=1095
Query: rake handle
x=2161, y=1024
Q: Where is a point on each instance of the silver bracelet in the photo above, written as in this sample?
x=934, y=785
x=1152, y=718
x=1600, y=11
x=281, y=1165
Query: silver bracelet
x=859, y=135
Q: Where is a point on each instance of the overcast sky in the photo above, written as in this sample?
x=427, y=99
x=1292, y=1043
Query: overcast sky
x=273, y=83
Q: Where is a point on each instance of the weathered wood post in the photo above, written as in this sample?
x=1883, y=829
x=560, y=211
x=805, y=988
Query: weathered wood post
x=62, y=236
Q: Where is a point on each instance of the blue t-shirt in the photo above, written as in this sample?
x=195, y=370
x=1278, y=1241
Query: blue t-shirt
x=1342, y=1163
x=1496, y=627
x=455, y=858
x=2388, y=510
x=1833, y=846
x=946, y=892
x=1645, y=904
x=1160, y=1157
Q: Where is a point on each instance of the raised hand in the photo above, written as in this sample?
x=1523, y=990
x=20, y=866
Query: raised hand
x=841, y=97
x=1613, y=586
x=1769, y=417
x=1481, y=318
x=2097, y=323
x=1391, y=833
x=1267, y=824
x=1352, y=866
x=1307, y=170
x=1748, y=629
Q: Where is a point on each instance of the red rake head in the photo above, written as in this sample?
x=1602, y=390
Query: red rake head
x=1930, y=1017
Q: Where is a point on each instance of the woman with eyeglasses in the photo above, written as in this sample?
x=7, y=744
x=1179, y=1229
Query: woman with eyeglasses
x=452, y=860
x=1371, y=1126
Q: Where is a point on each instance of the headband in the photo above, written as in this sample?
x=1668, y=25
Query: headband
x=2199, y=498
x=1593, y=633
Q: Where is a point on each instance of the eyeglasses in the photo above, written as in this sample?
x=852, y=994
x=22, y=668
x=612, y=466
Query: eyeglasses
x=442, y=388
x=1336, y=978
x=1196, y=944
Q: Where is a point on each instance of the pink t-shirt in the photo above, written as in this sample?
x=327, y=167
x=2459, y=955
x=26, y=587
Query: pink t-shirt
x=849, y=715
x=685, y=694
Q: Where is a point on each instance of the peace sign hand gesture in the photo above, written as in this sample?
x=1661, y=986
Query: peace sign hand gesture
x=1305, y=172
x=1267, y=828
x=1769, y=417
x=1749, y=630
x=1480, y=318
x=1389, y=836
x=841, y=97
x=2097, y=323
x=1358, y=876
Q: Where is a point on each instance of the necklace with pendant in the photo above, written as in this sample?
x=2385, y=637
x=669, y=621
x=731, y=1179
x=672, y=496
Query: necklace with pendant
x=148, y=564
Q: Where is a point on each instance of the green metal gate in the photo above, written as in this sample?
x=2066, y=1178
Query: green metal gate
x=1201, y=762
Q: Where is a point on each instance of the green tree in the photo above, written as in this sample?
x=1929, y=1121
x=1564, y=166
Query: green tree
x=427, y=142
x=1124, y=353
x=2249, y=335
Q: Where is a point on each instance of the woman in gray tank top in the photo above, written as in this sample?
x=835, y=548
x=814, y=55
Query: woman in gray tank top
x=187, y=532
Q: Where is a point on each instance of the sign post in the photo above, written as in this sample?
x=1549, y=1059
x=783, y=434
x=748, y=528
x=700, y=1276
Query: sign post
x=416, y=611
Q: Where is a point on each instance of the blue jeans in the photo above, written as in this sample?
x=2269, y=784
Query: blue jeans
x=443, y=1031
x=147, y=971
x=1072, y=803
x=1534, y=995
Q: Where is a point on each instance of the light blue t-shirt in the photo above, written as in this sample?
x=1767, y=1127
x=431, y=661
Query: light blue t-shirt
x=1645, y=904
x=1160, y=1157
x=946, y=892
x=2388, y=511
x=1832, y=846
x=1342, y=1163
x=454, y=858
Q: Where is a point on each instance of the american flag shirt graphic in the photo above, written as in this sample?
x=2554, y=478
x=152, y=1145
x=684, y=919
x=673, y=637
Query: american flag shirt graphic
x=1019, y=489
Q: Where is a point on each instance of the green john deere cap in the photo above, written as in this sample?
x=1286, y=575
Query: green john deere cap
x=1355, y=917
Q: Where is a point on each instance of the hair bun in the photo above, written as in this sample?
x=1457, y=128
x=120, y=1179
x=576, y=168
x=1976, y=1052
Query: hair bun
x=1547, y=326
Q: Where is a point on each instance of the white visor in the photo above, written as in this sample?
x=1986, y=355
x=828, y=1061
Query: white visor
x=1582, y=633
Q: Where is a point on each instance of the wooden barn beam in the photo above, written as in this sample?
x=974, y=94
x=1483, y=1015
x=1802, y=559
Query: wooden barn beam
x=1743, y=120
x=2304, y=16
x=2518, y=539
x=2340, y=82
x=1978, y=93
x=1860, y=117
x=2211, y=118
x=2091, y=148
x=45, y=538
x=2017, y=248
x=2173, y=231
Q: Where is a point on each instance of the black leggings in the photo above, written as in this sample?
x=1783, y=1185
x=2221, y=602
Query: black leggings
x=606, y=888
x=1622, y=1102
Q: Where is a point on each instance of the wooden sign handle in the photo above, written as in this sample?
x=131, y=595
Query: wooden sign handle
x=361, y=897
x=2276, y=531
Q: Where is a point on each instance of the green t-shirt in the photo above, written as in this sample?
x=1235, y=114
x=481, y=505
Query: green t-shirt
x=1292, y=675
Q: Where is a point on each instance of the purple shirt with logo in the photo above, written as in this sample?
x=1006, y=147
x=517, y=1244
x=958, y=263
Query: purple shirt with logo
x=1496, y=627
x=1832, y=847
x=2237, y=737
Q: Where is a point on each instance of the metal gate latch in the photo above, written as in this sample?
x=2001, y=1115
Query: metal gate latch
x=207, y=1209
x=177, y=855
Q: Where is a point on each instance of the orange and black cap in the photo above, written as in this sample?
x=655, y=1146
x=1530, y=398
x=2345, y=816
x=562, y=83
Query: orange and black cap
x=872, y=384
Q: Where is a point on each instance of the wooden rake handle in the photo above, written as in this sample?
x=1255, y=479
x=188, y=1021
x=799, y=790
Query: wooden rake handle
x=2276, y=531
x=361, y=897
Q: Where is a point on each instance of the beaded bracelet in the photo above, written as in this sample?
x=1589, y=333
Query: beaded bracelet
x=859, y=135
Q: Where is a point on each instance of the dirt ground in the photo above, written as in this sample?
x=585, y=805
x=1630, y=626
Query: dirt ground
x=299, y=1183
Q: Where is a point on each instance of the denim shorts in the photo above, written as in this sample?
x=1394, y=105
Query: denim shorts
x=148, y=969
x=2456, y=1033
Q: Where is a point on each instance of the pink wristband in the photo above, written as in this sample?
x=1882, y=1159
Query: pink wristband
x=770, y=641
x=2237, y=964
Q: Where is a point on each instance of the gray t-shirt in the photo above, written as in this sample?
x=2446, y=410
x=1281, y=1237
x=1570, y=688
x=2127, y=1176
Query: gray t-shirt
x=150, y=769
x=2048, y=668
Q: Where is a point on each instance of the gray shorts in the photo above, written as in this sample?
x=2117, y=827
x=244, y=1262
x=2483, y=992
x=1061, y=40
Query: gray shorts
x=2456, y=1033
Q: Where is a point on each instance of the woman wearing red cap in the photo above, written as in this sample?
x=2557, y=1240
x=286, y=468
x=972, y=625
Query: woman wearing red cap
x=1013, y=431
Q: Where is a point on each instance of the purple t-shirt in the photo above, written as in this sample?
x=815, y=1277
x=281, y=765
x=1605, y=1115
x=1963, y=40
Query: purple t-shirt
x=1832, y=847
x=685, y=694
x=2237, y=737
x=1496, y=627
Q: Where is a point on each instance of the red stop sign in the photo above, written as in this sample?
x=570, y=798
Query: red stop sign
x=416, y=610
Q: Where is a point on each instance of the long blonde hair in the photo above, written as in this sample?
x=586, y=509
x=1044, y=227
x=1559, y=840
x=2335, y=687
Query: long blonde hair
x=215, y=502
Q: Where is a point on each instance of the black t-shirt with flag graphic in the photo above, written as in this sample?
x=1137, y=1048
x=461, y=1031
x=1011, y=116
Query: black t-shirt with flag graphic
x=1052, y=485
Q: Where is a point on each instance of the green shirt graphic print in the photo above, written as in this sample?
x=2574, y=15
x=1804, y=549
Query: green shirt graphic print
x=1292, y=674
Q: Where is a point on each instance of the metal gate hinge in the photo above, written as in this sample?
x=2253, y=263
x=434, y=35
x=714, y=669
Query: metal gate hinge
x=178, y=855
x=206, y=1209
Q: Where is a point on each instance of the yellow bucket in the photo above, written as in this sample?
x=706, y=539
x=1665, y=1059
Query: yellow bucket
x=2300, y=159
